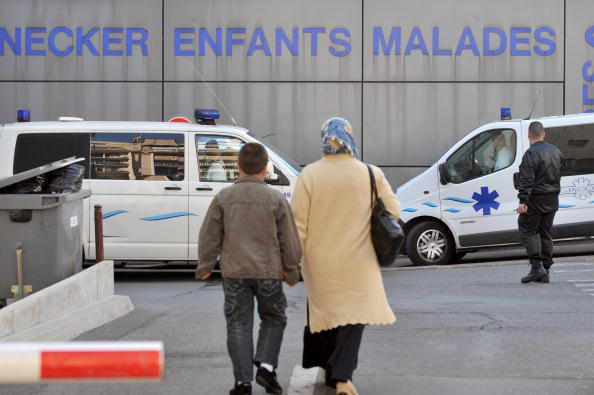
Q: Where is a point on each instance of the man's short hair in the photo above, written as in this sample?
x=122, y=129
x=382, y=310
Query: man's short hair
x=536, y=130
x=253, y=158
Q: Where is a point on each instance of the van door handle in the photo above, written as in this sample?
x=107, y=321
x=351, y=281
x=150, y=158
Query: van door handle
x=173, y=188
x=204, y=189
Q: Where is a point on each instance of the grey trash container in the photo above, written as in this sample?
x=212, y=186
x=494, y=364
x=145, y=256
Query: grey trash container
x=49, y=228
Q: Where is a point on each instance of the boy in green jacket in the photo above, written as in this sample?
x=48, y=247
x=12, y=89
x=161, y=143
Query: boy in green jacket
x=250, y=227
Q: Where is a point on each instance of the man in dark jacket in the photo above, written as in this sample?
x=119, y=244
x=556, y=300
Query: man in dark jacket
x=540, y=179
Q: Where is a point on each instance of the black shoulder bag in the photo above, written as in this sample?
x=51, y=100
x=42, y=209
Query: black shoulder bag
x=386, y=234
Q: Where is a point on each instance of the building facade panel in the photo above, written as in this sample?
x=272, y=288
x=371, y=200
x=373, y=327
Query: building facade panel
x=412, y=124
x=65, y=40
x=579, y=67
x=93, y=101
x=464, y=40
x=289, y=114
x=263, y=40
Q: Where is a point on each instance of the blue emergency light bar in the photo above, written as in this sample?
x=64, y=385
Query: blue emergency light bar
x=23, y=116
x=506, y=113
x=206, y=116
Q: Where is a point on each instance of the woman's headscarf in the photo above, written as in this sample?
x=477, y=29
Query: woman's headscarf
x=337, y=137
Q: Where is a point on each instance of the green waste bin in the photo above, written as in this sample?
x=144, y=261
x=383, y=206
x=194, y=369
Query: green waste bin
x=49, y=228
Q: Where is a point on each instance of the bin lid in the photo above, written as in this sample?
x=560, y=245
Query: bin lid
x=4, y=182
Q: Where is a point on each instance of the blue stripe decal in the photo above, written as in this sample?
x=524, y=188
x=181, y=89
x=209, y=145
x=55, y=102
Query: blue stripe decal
x=430, y=204
x=410, y=210
x=459, y=200
x=167, y=216
x=452, y=210
x=112, y=213
x=566, y=205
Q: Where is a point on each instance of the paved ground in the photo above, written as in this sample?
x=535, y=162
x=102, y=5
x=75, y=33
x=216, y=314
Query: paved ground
x=463, y=329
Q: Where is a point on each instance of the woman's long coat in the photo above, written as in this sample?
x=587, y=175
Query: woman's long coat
x=332, y=208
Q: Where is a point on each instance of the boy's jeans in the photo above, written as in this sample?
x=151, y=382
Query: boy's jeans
x=239, y=313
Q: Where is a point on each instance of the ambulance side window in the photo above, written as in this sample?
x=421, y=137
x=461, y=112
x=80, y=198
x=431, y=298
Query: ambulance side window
x=484, y=154
x=36, y=149
x=577, y=146
x=217, y=157
x=137, y=156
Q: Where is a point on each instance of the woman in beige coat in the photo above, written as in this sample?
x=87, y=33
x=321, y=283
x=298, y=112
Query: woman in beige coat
x=332, y=208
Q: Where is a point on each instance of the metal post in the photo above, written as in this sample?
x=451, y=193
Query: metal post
x=98, y=234
x=19, y=253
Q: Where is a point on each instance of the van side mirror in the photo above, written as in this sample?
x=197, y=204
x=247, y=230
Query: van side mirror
x=271, y=177
x=517, y=181
x=444, y=175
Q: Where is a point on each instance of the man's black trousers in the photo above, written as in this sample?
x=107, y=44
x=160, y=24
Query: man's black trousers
x=536, y=230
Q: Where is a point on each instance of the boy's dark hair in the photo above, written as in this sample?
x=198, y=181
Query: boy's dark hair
x=535, y=130
x=253, y=158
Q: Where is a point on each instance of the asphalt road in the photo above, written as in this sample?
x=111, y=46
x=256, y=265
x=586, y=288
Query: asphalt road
x=470, y=328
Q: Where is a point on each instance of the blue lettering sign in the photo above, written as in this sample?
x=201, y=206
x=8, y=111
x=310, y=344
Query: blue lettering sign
x=15, y=44
x=108, y=40
x=514, y=40
x=178, y=41
x=141, y=41
x=51, y=41
x=538, y=37
x=467, y=36
x=314, y=37
x=346, y=45
x=416, y=34
x=215, y=45
x=292, y=46
x=590, y=36
x=586, y=96
x=588, y=77
x=30, y=40
x=393, y=41
x=435, y=43
x=83, y=40
x=261, y=46
x=234, y=41
x=487, y=49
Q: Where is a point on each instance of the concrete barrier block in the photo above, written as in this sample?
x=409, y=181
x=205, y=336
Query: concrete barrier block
x=25, y=313
x=105, y=281
x=77, y=322
x=6, y=323
x=72, y=294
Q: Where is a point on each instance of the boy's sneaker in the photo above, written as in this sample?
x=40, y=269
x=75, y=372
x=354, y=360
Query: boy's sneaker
x=241, y=389
x=268, y=380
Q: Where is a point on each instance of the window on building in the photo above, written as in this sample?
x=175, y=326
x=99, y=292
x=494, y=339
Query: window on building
x=577, y=145
x=137, y=156
x=217, y=158
x=36, y=149
x=484, y=154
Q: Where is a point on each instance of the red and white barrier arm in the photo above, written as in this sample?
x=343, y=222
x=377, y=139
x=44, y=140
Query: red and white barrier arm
x=81, y=361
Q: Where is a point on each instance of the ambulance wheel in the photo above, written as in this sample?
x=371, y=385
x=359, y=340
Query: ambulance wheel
x=430, y=243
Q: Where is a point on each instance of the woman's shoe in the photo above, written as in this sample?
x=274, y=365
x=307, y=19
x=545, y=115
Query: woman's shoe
x=347, y=388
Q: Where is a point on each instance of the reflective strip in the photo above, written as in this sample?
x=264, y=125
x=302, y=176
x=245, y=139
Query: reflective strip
x=17, y=366
x=60, y=365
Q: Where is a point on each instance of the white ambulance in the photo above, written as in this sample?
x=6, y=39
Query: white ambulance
x=153, y=180
x=467, y=200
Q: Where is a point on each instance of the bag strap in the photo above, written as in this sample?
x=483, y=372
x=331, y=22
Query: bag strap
x=373, y=186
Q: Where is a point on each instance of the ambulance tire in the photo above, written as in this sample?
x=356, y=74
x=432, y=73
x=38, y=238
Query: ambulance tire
x=430, y=243
x=459, y=255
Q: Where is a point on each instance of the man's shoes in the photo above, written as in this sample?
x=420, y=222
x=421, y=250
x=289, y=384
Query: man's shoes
x=268, y=380
x=545, y=279
x=347, y=388
x=537, y=273
x=241, y=389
